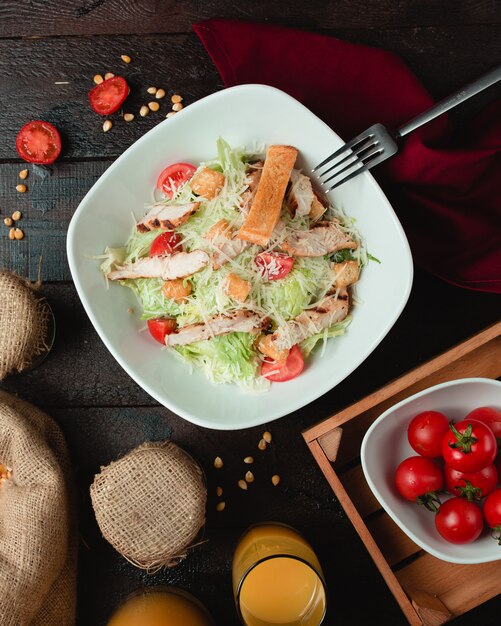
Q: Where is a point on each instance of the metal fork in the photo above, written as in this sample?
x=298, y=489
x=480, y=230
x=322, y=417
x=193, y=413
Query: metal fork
x=378, y=143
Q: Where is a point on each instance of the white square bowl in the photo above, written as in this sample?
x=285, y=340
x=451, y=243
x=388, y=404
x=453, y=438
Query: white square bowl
x=251, y=116
x=385, y=446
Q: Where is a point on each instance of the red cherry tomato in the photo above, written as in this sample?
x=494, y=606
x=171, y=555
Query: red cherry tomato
x=274, y=266
x=173, y=176
x=472, y=485
x=418, y=479
x=459, y=521
x=108, y=96
x=426, y=431
x=160, y=327
x=492, y=513
x=166, y=243
x=489, y=416
x=284, y=370
x=38, y=142
x=469, y=446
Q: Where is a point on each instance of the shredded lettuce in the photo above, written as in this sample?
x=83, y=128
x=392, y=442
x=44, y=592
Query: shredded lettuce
x=309, y=344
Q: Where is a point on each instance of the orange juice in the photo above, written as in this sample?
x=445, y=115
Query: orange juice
x=161, y=608
x=277, y=578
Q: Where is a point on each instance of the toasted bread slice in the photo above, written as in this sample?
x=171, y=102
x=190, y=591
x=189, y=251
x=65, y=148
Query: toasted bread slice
x=267, y=203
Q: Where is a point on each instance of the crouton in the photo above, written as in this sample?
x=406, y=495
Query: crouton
x=237, y=288
x=345, y=273
x=267, y=203
x=317, y=209
x=219, y=229
x=176, y=290
x=207, y=183
x=266, y=346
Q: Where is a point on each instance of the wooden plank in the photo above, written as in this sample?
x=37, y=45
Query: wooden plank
x=91, y=17
x=179, y=62
x=431, y=609
x=330, y=443
x=393, y=543
x=353, y=480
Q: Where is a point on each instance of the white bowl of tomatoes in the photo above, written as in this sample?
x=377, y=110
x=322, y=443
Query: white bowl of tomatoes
x=433, y=462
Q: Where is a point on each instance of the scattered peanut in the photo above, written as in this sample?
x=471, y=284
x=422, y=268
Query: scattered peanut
x=218, y=462
x=177, y=106
x=12, y=234
x=108, y=75
x=98, y=79
x=144, y=111
x=153, y=106
x=16, y=216
x=8, y=221
x=249, y=477
x=128, y=117
x=23, y=174
x=21, y=188
x=262, y=445
x=152, y=90
x=242, y=484
x=249, y=460
x=170, y=114
x=176, y=98
x=267, y=436
x=125, y=58
x=219, y=491
x=220, y=506
x=18, y=233
x=275, y=480
x=160, y=94
x=107, y=125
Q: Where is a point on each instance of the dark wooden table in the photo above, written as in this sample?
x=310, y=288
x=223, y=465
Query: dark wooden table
x=49, y=52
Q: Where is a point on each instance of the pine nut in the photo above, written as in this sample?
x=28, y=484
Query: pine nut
x=249, y=460
x=125, y=58
x=144, y=111
x=21, y=188
x=98, y=79
x=12, y=233
x=152, y=90
x=249, y=477
x=7, y=221
x=219, y=491
x=107, y=125
x=242, y=484
x=23, y=174
x=18, y=233
x=160, y=94
x=176, y=98
x=275, y=480
x=153, y=106
x=218, y=462
x=16, y=216
x=262, y=445
x=220, y=506
x=128, y=117
x=170, y=114
x=267, y=436
x=108, y=75
x=177, y=106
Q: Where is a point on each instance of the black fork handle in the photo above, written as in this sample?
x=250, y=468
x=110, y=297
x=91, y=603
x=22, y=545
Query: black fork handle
x=452, y=101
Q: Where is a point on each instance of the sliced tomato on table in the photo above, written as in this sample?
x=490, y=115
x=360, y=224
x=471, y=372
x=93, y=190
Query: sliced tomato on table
x=282, y=371
x=38, y=142
x=108, y=96
x=174, y=176
x=166, y=243
x=274, y=266
x=160, y=327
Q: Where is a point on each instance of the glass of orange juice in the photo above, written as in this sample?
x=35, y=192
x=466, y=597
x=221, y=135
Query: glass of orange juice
x=277, y=578
x=161, y=606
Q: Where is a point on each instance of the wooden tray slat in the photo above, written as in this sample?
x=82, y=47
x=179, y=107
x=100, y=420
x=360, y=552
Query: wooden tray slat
x=354, y=482
x=393, y=543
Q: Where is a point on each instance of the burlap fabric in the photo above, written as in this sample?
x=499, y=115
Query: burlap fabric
x=150, y=504
x=37, y=525
x=23, y=323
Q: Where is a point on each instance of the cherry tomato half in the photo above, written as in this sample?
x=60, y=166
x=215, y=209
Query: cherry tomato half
x=492, y=513
x=108, y=96
x=459, y=521
x=489, y=416
x=38, y=142
x=166, y=243
x=469, y=446
x=284, y=370
x=160, y=327
x=274, y=266
x=418, y=479
x=472, y=485
x=426, y=431
x=173, y=176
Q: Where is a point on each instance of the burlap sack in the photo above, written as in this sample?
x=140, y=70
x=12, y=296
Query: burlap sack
x=23, y=323
x=37, y=525
x=150, y=504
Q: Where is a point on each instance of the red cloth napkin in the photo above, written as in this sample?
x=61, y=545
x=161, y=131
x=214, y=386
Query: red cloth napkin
x=447, y=195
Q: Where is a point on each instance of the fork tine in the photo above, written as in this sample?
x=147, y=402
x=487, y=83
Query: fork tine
x=365, y=165
x=363, y=137
x=355, y=156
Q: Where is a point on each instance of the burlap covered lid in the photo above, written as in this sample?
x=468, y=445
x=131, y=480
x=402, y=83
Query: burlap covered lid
x=23, y=323
x=150, y=504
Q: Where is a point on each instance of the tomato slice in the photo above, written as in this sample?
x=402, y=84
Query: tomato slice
x=38, y=142
x=108, y=96
x=284, y=370
x=166, y=243
x=160, y=327
x=173, y=176
x=274, y=266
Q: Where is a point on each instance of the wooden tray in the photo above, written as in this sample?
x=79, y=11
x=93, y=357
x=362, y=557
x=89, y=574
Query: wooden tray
x=428, y=590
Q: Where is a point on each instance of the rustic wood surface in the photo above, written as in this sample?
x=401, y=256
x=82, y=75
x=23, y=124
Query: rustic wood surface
x=102, y=412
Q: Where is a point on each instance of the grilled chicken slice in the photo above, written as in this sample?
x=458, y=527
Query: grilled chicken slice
x=167, y=267
x=226, y=245
x=239, y=321
x=253, y=177
x=322, y=238
x=300, y=197
x=328, y=311
x=166, y=216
